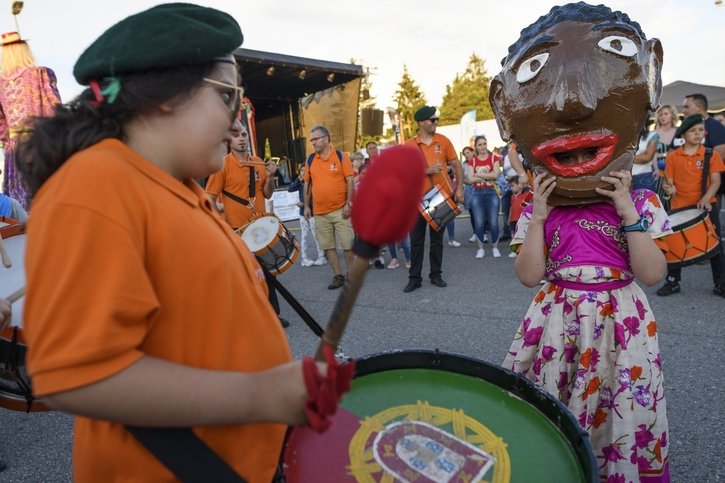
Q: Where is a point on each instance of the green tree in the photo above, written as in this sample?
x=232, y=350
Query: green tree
x=468, y=91
x=408, y=99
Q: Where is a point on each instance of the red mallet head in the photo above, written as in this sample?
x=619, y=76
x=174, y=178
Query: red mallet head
x=386, y=204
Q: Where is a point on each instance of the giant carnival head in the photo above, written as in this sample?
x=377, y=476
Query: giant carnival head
x=574, y=92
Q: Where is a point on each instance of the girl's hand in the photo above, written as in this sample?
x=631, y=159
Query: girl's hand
x=621, y=196
x=543, y=186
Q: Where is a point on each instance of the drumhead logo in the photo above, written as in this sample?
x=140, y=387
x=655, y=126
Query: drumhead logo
x=424, y=443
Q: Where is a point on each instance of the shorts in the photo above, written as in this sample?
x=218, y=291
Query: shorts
x=332, y=227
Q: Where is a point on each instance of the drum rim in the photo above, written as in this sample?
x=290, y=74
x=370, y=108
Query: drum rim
x=553, y=409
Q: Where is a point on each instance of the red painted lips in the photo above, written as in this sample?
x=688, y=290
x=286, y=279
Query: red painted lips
x=601, y=144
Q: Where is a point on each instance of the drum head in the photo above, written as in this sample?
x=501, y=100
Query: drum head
x=261, y=232
x=685, y=217
x=442, y=417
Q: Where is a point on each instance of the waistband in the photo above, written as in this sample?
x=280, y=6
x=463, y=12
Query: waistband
x=597, y=287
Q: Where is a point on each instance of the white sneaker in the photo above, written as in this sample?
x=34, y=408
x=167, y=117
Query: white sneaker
x=512, y=255
x=472, y=239
x=306, y=262
x=394, y=263
x=496, y=253
x=453, y=243
x=485, y=238
x=320, y=261
x=480, y=253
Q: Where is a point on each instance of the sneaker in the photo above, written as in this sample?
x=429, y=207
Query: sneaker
x=512, y=255
x=337, y=282
x=320, y=261
x=480, y=253
x=485, y=238
x=407, y=264
x=542, y=281
x=472, y=239
x=668, y=288
x=438, y=282
x=379, y=263
x=453, y=243
x=394, y=263
x=496, y=253
x=306, y=262
x=719, y=290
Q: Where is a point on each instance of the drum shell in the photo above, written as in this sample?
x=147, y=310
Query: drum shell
x=302, y=442
x=15, y=386
x=693, y=240
x=440, y=209
x=282, y=250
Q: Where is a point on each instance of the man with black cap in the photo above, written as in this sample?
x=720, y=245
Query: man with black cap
x=439, y=153
x=690, y=185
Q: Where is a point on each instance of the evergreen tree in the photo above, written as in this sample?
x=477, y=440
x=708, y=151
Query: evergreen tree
x=409, y=99
x=468, y=91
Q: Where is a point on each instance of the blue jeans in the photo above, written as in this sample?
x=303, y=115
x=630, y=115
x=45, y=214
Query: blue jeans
x=644, y=181
x=405, y=244
x=485, y=205
x=451, y=229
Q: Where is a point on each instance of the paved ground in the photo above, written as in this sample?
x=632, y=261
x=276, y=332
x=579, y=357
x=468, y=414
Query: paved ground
x=476, y=315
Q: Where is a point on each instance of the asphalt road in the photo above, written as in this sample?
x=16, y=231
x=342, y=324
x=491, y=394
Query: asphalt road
x=476, y=315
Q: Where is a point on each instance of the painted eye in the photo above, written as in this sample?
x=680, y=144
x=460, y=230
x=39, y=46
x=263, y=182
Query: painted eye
x=619, y=45
x=530, y=67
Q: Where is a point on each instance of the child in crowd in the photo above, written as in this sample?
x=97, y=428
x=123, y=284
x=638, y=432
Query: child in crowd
x=689, y=186
x=307, y=227
x=521, y=197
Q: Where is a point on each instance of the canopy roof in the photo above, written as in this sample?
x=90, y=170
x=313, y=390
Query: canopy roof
x=675, y=93
x=270, y=76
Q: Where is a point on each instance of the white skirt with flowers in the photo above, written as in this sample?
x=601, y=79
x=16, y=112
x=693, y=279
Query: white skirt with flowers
x=597, y=352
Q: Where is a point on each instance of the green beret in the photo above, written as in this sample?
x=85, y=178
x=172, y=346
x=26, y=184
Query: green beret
x=425, y=112
x=168, y=35
x=687, y=123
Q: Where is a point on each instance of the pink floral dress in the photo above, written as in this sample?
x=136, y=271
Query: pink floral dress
x=590, y=338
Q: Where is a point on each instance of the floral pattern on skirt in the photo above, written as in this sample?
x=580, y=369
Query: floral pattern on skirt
x=597, y=351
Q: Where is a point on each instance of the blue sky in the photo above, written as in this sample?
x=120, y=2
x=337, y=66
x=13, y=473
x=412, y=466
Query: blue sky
x=434, y=38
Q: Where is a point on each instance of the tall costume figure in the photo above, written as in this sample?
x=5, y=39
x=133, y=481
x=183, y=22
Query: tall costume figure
x=26, y=91
x=573, y=93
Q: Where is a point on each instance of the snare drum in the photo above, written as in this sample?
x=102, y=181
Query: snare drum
x=15, y=387
x=273, y=244
x=428, y=416
x=438, y=208
x=693, y=239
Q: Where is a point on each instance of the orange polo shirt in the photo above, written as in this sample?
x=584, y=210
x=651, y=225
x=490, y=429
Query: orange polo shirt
x=329, y=183
x=440, y=150
x=685, y=171
x=122, y=261
x=234, y=178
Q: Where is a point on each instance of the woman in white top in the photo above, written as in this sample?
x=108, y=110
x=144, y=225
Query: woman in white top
x=643, y=170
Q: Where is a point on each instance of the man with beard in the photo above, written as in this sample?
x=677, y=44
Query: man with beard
x=238, y=191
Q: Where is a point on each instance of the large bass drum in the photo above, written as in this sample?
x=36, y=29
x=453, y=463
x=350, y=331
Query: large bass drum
x=426, y=416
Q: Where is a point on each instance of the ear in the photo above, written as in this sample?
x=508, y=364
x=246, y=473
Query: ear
x=496, y=99
x=656, y=55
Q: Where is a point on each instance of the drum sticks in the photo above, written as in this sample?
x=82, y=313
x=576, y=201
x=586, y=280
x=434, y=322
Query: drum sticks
x=7, y=262
x=384, y=209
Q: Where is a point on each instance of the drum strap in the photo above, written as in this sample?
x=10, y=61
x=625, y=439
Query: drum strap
x=236, y=198
x=252, y=183
x=185, y=455
x=706, y=169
